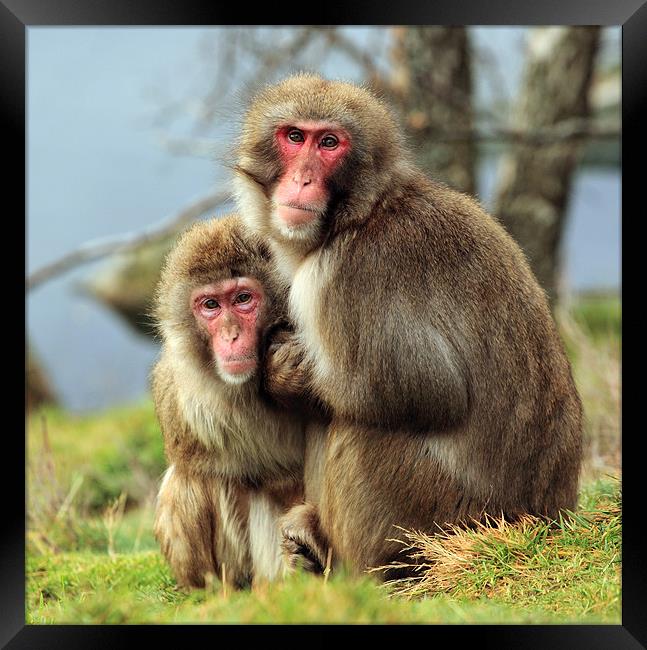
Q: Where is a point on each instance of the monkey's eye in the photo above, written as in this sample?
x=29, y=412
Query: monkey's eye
x=243, y=298
x=294, y=135
x=329, y=141
x=210, y=303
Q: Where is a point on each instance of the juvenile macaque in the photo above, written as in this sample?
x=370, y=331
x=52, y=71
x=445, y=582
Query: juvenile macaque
x=235, y=461
x=419, y=326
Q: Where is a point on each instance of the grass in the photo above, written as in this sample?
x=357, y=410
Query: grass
x=591, y=332
x=92, y=479
x=83, y=588
x=119, y=450
x=571, y=568
x=92, y=557
x=598, y=314
x=498, y=574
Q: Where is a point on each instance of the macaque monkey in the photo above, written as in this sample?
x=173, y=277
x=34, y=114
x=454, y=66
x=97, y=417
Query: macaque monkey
x=418, y=325
x=235, y=460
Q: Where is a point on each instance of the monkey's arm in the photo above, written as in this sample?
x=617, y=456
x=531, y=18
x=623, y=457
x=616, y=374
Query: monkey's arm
x=172, y=424
x=184, y=519
x=415, y=382
x=287, y=374
x=389, y=357
x=411, y=379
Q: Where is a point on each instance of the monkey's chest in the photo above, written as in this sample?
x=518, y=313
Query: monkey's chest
x=308, y=284
x=233, y=442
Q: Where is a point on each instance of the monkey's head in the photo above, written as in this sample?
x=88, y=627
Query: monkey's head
x=311, y=149
x=216, y=297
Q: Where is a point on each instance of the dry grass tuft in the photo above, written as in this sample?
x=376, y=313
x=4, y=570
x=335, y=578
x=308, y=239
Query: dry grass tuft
x=596, y=369
x=49, y=505
x=530, y=561
x=442, y=559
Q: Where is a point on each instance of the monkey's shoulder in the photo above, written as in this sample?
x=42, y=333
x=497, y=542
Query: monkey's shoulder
x=425, y=229
x=164, y=384
x=429, y=246
x=163, y=387
x=436, y=217
x=179, y=440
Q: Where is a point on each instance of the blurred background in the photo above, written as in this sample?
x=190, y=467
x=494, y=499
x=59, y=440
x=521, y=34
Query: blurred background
x=130, y=132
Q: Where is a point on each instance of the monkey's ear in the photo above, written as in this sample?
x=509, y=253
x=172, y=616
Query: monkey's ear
x=240, y=170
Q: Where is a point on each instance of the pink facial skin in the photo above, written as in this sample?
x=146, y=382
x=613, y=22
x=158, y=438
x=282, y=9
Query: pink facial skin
x=310, y=152
x=229, y=311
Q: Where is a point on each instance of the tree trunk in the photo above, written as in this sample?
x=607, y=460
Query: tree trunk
x=39, y=389
x=432, y=82
x=535, y=180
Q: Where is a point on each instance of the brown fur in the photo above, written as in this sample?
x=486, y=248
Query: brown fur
x=231, y=454
x=422, y=330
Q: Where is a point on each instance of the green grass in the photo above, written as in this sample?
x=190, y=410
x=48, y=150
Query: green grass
x=137, y=588
x=86, y=588
x=591, y=332
x=527, y=573
x=119, y=450
x=83, y=468
x=599, y=314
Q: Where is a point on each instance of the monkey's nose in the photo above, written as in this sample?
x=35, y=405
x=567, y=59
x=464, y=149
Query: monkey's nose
x=302, y=178
x=229, y=335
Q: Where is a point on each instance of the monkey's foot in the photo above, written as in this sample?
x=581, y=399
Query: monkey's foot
x=303, y=546
x=298, y=555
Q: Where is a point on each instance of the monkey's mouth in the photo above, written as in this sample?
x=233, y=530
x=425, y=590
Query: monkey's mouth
x=294, y=215
x=238, y=365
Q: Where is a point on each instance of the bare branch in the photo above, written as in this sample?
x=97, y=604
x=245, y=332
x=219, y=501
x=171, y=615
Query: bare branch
x=567, y=130
x=338, y=40
x=189, y=146
x=272, y=58
x=99, y=248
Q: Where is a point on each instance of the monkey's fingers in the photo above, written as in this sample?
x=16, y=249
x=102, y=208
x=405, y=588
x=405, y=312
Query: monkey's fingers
x=303, y=543
x=298, y=555
x=279, y=334
x=286, y=376
x=286, y=351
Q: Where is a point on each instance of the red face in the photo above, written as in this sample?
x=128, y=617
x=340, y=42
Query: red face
x=310, y=152
x=230, y=312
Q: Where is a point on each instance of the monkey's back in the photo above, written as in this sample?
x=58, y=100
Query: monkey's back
x=448, y=270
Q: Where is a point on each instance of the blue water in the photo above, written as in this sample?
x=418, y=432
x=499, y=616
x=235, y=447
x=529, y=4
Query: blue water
x=96, y=168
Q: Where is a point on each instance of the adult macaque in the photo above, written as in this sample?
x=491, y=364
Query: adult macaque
x=235, y=462
x=419, y=325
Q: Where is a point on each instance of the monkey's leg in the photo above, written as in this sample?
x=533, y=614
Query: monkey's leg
x=304, y=543
x=185, y=523
x=376, y=483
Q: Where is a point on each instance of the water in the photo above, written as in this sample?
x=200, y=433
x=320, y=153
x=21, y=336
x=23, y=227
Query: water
x=96, y=168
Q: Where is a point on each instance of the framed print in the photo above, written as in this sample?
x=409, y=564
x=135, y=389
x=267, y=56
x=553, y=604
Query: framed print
x=119, y=115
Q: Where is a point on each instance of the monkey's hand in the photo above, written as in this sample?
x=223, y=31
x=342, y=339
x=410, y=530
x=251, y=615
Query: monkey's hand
x=303, y=544
x=286, y=376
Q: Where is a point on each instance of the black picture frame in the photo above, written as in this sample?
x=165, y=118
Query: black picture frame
x=16, y=16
